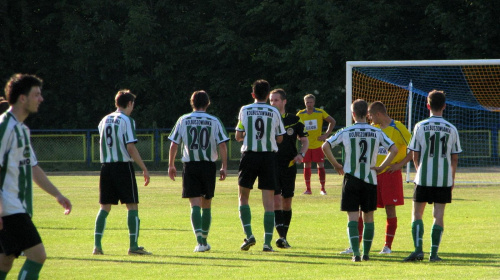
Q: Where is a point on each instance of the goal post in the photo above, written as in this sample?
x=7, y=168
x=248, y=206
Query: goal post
x=472, y=90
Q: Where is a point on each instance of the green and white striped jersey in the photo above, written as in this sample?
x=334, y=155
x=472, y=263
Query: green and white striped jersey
x=116, y=130
x=361, y=143
x=200, y=134
x=261, y=123
x=436, y=139
x=17, y=159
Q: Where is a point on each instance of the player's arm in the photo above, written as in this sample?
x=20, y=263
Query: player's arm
x=329, y=155
x=172, y=171
x=240, y=135
x=134, y=153
x=223, y=157
x=279, y=139
x=331, y=125
x=45, y=184
x=240, y=132
x=398, y=165
x=454, y=164
x=393, y=151
x=416, y=159
x=304, y=143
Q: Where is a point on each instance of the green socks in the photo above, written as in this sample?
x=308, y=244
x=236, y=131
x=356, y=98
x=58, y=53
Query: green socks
x=246, y=219
x=196, y=223
x=268, y=227
x=417, y=232
x=100, y=224
x=3, y=275
x=133, y=228
x=436, y=233
x=206, y=220
x=368, y=233
x=352, y=230
x=30, y=270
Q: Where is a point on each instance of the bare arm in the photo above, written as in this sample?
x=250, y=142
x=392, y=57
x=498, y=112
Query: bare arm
x=240, y=135
x=416, y=159
x=45, y=184
x=331, y=125
x=172, y=171
x=134, y=153
x=329, y=155
x=399, y=165
x=223, y=157
x=279, y=139
x=393, y=150
x=454, y=164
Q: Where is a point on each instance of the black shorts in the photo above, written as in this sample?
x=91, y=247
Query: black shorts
x=117, y=183
x=198, y=179
x=357, y=194
x=286, y=178
x=18, y=234
x=258, y=164
x=432, y=194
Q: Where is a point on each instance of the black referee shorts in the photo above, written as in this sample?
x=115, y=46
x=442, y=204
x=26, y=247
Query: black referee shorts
x=198, y=179
x=18, y=234
x=117, y=183
x=261, y=165
x=286, y=178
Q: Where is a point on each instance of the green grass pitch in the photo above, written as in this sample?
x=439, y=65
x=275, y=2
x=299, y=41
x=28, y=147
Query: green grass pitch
x=317, y=233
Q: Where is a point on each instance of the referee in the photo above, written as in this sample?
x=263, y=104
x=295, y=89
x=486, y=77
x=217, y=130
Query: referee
x=287, y=170
x=117, y=180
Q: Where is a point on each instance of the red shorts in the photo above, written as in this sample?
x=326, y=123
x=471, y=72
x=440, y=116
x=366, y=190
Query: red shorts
x=314, y=155
x=390, y=189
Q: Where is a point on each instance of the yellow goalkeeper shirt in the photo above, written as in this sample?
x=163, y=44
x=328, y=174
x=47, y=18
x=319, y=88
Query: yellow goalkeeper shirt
x=313, y=125
x=400, y=136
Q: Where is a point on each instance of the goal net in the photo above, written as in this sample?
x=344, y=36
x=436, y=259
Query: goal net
x=472, y=90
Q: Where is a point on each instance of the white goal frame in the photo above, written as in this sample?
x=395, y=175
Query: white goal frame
x=409, y=63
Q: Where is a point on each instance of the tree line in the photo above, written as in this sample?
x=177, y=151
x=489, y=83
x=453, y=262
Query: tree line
x=163, y=50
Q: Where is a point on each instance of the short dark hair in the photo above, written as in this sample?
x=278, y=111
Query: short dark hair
x=281, y=92
x=20, y=84
x=377, y=107
x=199, y=99
x=360, y=108
x=123, y=97
x=4, y=105
x=436, y=99
x=261, y=89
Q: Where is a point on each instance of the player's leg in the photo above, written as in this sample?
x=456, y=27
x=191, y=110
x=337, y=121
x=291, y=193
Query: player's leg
x=322, y=175
x=35, y=257
x=100, y=225
x=287, y=215
x=268, y=203
x=390, y=228
x=368, y=233
x=107, y=197
x=307, y=172
x=206, y=218
x=278, y=214
x=350, y=203
x=5, y=265
x=417, y=231
x=353, y=233
x=368, y=205
x=437, y=230
x=133, y=225
x=196, y=219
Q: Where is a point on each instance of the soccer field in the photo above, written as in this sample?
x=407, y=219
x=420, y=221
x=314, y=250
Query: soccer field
x=317, y=233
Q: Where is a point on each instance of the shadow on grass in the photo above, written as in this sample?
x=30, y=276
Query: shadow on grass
x=122, y=228
x=100, y=259
x=245, y=259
